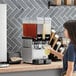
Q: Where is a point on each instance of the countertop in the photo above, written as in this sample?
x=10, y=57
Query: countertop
x=30, y=67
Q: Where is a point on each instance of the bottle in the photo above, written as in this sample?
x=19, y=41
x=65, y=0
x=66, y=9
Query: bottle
x=57, y=46
x=74, y=2
x=52, y=36
x=68, y=2
x=62, y=49
x=57, y=2
x=44, y=31
x=55, y=40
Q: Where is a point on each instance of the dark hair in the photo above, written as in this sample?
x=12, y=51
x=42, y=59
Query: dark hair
x=71, y=28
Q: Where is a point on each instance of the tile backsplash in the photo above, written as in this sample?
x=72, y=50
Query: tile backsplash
x=17, y=10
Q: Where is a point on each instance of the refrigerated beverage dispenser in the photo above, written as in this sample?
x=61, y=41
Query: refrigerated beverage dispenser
x=36, y=36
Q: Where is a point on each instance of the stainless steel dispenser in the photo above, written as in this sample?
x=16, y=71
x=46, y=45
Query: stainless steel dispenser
x=33, y=49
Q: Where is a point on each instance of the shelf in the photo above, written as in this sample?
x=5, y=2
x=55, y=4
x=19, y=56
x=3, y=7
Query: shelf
x=59, y=3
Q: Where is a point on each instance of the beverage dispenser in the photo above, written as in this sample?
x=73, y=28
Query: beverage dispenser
x=35, y=37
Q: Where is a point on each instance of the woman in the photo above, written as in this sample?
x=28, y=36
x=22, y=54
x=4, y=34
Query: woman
x=69, y=57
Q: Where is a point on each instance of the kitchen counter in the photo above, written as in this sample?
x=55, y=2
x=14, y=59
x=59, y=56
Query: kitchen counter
x=30, y=67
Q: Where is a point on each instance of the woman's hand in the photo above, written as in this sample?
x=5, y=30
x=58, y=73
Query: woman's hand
x=52, y=51
x=48, y=49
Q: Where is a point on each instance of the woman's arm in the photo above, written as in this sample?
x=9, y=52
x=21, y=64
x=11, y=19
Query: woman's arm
x=70, y=68
x=59, y=55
